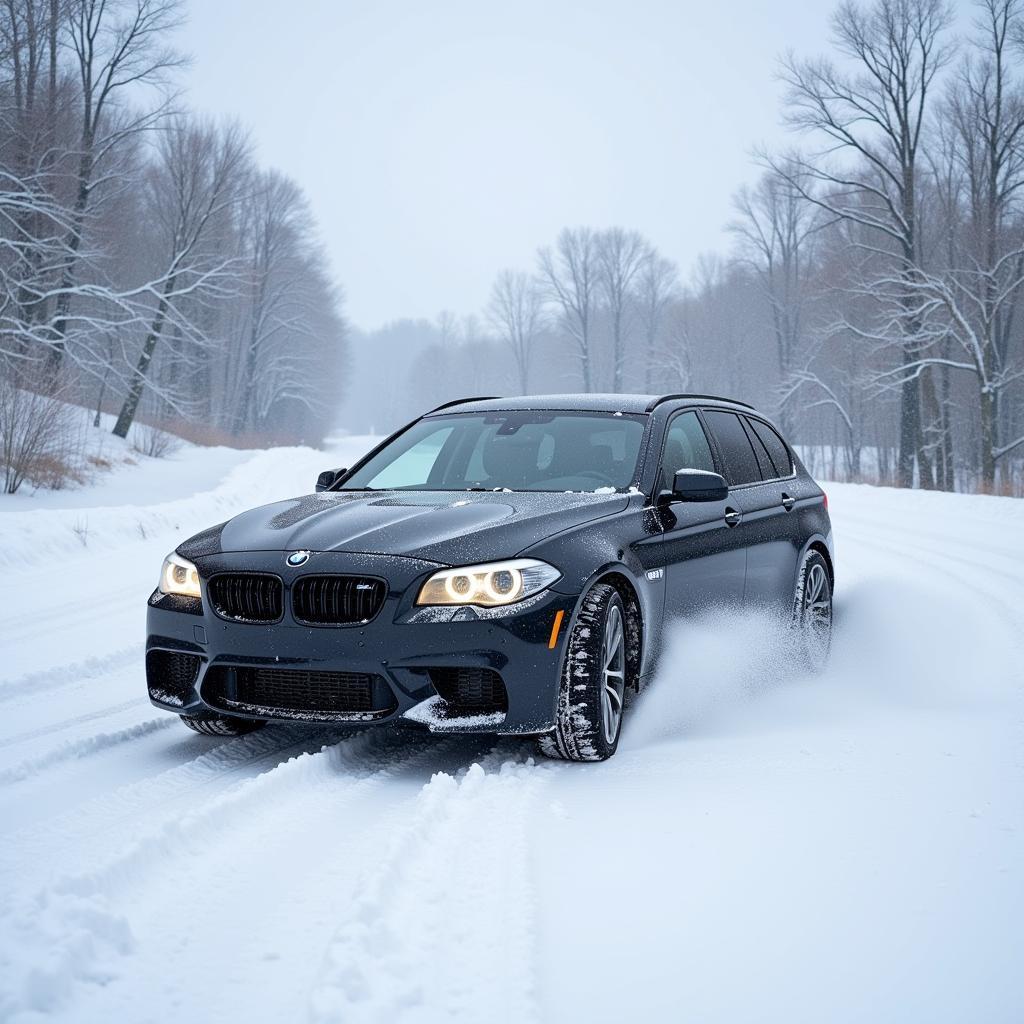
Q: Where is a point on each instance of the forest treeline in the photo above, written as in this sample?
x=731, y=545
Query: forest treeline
x=149, y=266
x=871, y=299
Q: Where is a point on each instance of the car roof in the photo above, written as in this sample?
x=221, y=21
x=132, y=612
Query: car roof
x=576, y=403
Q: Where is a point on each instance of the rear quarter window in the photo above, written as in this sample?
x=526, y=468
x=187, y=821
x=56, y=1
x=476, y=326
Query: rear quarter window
x=776, y=447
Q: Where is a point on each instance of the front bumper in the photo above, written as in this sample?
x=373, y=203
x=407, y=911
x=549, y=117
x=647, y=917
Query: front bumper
x=400, y=646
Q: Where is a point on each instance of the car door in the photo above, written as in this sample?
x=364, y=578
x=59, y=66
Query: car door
x=691, y=541
x=746, y=506
x=772, y=557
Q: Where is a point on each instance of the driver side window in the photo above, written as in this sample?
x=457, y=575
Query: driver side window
x=686, y=447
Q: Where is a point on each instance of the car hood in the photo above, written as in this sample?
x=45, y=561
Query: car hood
x=447, y=527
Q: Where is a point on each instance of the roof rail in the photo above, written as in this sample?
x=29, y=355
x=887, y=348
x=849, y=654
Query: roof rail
x=714, y=398
x=462, y=401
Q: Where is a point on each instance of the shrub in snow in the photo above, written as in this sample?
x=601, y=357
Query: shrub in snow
x=152, y=441
x=36, y=437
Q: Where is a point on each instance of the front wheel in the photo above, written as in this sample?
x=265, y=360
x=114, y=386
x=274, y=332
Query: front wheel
x=221, y=725
x=592, y=689
x=812, y=611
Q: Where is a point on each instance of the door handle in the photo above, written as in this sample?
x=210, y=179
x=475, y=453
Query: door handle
x=788, y=502
x=732, y=517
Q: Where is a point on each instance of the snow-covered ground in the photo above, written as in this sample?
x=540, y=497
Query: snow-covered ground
x=764, y=846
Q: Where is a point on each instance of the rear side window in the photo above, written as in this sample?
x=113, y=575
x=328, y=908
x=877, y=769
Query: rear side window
x=777, y=449
x=686, y=447
x=740, y=461
x=763, y=458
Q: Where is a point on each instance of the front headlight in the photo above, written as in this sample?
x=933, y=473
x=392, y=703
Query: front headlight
x=490, y=585
x=179, y=576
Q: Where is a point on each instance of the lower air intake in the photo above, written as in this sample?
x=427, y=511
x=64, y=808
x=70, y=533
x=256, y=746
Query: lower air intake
x=470, y=691
x=298, y=693
x=170, y=675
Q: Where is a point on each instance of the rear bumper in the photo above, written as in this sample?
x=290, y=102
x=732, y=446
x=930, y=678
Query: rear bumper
x=399, y=647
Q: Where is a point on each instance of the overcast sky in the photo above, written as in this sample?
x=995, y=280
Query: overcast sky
x=440, y=142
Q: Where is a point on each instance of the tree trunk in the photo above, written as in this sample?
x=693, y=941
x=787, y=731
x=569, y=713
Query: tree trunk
x=131, y=402
x=929, y=414
x=649, y=361
x=910, y=426
x=617, y=353
x=585, y=364
x=987, y=406
x=948, y=476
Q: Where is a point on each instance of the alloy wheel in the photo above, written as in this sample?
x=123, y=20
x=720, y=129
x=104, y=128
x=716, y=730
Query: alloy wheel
x=816, y=613
x=613, y=657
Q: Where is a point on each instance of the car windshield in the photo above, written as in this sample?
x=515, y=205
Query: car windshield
x=517, y=451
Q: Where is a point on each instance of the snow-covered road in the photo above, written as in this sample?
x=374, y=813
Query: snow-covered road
x=763, y=846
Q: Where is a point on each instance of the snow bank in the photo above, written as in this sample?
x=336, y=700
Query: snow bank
x=241, y=480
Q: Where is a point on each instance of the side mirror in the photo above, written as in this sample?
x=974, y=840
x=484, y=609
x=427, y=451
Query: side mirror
x=328, y=478
x=697, y=485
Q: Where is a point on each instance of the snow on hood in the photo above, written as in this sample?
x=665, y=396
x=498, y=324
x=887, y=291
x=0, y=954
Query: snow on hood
x=451, y=527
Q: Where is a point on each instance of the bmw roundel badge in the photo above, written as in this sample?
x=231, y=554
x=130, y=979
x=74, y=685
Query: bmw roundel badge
x=298, y=558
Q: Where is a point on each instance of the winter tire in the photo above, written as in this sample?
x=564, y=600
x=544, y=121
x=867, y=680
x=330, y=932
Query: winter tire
x=221, y=725
x=812, y=611
x=592, y=690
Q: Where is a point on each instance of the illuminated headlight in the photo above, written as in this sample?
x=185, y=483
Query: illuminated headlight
x=179, y=576
x=490, y=585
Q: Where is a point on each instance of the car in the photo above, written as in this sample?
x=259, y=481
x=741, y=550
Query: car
x=499, y=566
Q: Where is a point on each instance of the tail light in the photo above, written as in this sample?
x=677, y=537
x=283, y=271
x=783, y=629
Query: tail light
x=824, y=498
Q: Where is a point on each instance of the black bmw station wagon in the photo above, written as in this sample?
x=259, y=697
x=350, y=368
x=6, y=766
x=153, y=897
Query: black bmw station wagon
x=498, y=565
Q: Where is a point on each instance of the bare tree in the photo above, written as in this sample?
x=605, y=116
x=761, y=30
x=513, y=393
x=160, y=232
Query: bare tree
x=970, y=299
x=570, y=275
x=28, y=54
x=657, y=287
x=119, y=46
x=275, y=228
x=986, y=109
x=876, y=114
x=106, y=250
x=620, y=256
x=516, y=312
x=198, y=179
x=774, y=228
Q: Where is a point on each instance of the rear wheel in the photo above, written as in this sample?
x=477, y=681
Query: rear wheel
x=812, y=611
x=221, y=725
x=592, y=691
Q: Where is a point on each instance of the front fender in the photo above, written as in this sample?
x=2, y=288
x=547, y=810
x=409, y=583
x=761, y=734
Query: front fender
x=596, y=551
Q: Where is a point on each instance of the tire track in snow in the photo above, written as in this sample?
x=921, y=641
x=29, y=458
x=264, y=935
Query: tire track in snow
x=100, y=823
x=72, y=750
x=72, y=930
x=946, y=565
x=28, y=687
x=69, y=723
x=444, y=921
x=937, y=545
x=33, y=625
